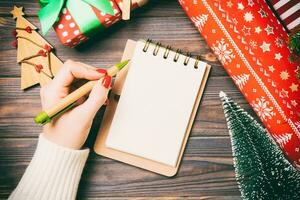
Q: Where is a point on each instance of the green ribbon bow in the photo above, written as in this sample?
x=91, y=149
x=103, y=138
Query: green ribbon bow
x=80, y=10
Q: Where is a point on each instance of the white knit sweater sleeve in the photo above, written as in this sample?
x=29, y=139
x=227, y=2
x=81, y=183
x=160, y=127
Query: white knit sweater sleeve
x=53, y=173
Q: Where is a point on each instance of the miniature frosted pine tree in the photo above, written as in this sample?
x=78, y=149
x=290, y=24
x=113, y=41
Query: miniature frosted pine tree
x=262, y=171
x=294, y=45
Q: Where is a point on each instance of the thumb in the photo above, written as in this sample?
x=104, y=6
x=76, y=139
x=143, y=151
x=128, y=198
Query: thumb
x=96, y=98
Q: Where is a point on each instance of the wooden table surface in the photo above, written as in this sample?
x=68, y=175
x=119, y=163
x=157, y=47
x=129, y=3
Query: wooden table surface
x=206, y=171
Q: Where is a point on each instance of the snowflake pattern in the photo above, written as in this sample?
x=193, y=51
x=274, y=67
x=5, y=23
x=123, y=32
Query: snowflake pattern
x=284, y=75
x=253, y=44
x=224, y=54
x=263, y=55
x=248, y=17
x=262, y=108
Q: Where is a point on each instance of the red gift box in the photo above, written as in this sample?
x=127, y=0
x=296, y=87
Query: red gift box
x=69, y=32
x=288, y=12
x=80, y=20
x=251, y=44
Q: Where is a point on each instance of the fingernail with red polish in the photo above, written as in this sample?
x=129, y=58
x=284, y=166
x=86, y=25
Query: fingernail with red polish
x=102, y=71
x=106, y=81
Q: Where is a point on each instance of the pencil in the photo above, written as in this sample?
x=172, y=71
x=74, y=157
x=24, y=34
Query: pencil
x=69, y=101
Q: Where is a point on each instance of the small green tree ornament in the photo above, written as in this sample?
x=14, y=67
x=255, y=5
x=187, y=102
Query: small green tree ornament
x=294, y=45
x=262, y=171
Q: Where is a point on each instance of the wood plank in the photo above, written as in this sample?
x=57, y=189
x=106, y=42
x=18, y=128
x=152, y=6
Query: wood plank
x=107, y=48
x=17, y=109
x=206, y=170
x=22, y=149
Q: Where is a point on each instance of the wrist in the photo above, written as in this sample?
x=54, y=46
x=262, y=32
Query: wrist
x=51, y=166
x=61, y=142
x=70, y=139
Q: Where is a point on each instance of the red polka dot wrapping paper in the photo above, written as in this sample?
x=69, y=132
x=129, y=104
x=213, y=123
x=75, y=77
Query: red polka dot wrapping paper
x=251, y=44
x=69, y=32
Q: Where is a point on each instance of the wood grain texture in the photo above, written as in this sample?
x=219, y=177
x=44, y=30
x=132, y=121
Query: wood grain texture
x=17, y=109
x=206, y=171
x=206, y=168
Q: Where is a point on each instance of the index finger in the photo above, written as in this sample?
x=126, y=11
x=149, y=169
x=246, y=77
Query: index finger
x=72, y=70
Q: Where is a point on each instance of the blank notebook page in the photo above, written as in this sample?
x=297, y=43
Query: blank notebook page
x=155, y=106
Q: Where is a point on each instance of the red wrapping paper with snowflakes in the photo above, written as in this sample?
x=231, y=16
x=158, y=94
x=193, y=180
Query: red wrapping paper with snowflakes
x=251, y=44
x=70, y=33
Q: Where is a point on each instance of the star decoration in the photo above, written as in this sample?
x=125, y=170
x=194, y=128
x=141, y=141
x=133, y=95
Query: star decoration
x=265, y=47
x=294, y=87
x=283, y=93
x=284, y=75
x=248, y=17
x=253, y=44
x=271, y=68
x=269, y=30
x=294, y=103
x=17, y=12
x=279, y=42
x=241, y=6
x=246, y=30
x=250, y=3
x=229, y=4
x=278, y=56
x=257, y=30
x=262, y=13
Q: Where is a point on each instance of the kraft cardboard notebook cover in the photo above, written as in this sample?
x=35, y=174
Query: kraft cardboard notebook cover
x=143, y=124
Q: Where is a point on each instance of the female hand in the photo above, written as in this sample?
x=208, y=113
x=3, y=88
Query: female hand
x=71, y=129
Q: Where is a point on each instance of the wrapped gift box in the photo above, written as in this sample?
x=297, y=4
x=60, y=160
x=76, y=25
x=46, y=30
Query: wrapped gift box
x=251, y=44
x=288, y=12
x=79, y=20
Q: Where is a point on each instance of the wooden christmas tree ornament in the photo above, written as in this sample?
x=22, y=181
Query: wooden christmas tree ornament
x=38, y=63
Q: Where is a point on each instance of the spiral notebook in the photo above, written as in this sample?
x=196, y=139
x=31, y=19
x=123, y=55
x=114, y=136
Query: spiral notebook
x=152, y=107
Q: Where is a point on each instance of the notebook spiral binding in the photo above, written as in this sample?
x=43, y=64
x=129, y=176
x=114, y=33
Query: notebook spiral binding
x=158, y=45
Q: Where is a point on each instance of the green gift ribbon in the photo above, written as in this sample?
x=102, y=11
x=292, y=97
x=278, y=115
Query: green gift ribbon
x=80, y=10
